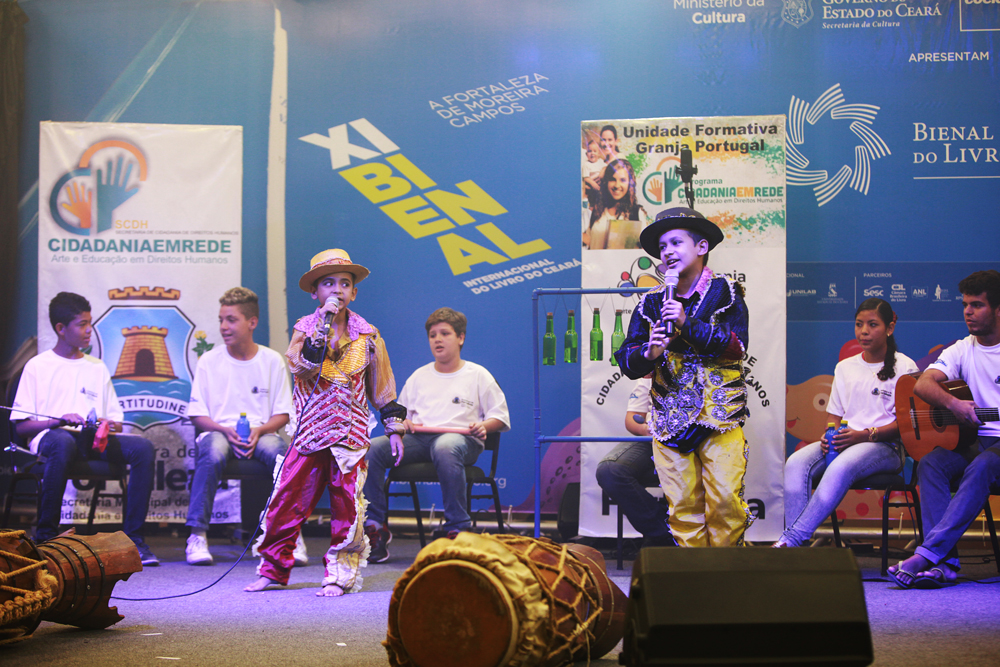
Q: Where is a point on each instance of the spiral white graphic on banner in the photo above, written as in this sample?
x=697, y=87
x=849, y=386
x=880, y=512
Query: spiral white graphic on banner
x=871, y=146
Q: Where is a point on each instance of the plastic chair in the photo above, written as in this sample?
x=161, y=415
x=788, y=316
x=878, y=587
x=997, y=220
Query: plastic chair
x=425, y=473
x=887, y=483
x=252, y=503
x=27, y=467
x=656, y=492
x=988, y=511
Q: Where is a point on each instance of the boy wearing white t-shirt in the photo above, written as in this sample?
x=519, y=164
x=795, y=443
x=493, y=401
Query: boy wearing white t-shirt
x=242, y=377
x=59, y=388
x=451, y=404
x=975, y=466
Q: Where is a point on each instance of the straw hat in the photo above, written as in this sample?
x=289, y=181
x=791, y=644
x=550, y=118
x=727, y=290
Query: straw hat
x=331, y=261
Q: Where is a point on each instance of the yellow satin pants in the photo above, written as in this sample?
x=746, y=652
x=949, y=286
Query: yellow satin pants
x=705, y=490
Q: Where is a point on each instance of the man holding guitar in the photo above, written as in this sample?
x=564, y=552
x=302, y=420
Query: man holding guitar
x=976, y=360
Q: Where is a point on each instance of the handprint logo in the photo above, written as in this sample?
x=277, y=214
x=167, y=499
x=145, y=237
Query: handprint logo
x=80, y=199
x=114, y=185
x=112, y=192
x=660, y=186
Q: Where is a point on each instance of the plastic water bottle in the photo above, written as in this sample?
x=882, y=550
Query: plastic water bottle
x=243, y=427
x=831, y=430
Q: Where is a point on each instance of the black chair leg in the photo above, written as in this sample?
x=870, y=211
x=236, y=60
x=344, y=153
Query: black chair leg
x=468, y=504
x=98, y=488
x=416, y=508
x=836, y=529
x=621, y=537
x=993, y=533
x=885, y=530
x=496, y=504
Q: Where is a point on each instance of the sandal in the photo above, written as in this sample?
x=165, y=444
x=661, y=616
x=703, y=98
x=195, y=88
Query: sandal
x=904, y=578
x=936, y=578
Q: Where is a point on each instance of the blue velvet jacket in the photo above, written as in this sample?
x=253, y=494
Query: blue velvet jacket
x=698, y=381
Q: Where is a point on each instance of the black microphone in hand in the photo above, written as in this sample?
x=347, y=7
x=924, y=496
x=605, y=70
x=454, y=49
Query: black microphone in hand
x=331, y=300
x=670, y=280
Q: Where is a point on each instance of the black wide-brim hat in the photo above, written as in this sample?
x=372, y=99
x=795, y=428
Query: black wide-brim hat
x=679, y=217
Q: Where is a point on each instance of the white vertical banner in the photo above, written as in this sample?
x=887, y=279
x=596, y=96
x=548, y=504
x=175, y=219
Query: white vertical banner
x=740, y=186
x=145, y=221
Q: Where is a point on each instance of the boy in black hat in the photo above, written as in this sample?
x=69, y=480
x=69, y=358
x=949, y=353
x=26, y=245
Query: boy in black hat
x=698, y=393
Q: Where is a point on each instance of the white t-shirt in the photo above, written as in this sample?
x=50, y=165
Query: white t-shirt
x=224, y=387
x=979, y=366
x=593, y=169
x=55, y=386
x=457, y=399
x=860, y=397
x=639, y=400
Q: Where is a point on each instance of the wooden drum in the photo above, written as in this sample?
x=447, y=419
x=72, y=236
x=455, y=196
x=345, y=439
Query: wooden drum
x=488, y=601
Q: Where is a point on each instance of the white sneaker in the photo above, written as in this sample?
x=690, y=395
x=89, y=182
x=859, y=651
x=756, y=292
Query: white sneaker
x=197, y=551
x=300, y=555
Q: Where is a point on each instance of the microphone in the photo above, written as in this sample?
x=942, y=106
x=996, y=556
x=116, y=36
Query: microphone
x=686, y=172
x=670, y=280
x=331, y=300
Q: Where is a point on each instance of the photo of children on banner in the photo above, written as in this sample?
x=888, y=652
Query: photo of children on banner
x=609, y=142
x=694, y=345
x=617, y=219
x=593, y=167
x=452, y=405
x=863, y=393
x=347, y=362
x=67, y=382
x=239, y=378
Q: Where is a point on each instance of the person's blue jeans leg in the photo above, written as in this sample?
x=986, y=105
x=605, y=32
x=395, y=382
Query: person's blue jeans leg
x=800, y=469
x=138, y=453
x=379, y=459
x=852, y=464
x=624, y=474
x=58, y=447
x=269, y=447
x=450, y=453
x=947, y=519
x=211, y=453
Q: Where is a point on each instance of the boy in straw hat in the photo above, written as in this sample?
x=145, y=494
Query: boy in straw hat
x=329, y=451
x=698, y=393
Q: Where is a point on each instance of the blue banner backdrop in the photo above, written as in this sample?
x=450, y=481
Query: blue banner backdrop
x=440, y=146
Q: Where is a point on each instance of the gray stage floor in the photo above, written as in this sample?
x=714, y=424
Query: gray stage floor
x=224, y=626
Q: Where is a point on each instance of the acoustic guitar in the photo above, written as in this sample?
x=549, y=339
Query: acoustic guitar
x=922, y=426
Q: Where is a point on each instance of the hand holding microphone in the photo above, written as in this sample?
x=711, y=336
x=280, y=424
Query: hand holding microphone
x=670, y=280
x=332, y=302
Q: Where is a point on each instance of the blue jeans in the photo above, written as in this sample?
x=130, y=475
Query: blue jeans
x=449, y=452
x=211, y=453
x=945, y=518
x=59, y=448
x=625, y=474
x=803, y=514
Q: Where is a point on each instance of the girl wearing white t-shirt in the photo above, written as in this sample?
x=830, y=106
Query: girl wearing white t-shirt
x=864, y=394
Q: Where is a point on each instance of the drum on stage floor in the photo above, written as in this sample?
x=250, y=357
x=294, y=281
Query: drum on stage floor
x=493, y=600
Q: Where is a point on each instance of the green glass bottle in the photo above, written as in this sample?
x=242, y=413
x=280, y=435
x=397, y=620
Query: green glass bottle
x=549, y=342
x=596, y=338
x=571, y=342
x=617, y=337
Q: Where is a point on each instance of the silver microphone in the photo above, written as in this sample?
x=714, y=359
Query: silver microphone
x=331, y=300
x=670, y=280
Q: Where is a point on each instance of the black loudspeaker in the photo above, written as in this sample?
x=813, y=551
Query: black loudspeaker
x=746, y=606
